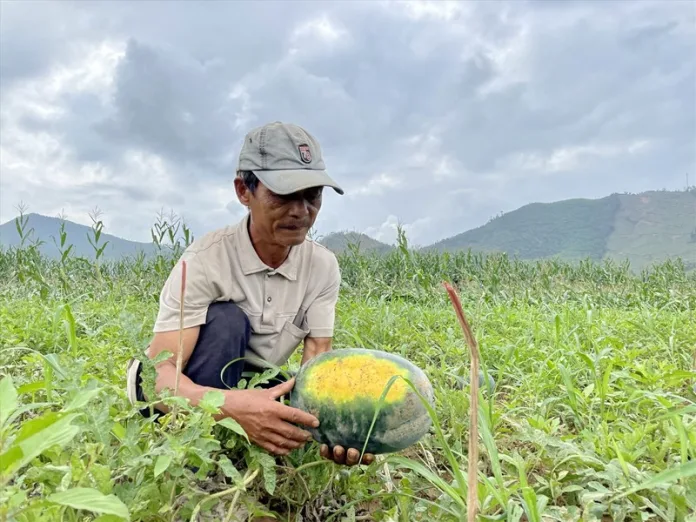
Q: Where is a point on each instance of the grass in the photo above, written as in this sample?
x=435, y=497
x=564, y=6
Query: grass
x=592, y=417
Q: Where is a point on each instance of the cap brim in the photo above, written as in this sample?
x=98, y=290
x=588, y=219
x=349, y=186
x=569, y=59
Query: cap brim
x=288, y=181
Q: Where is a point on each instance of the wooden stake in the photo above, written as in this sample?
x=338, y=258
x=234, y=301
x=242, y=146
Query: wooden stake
x=472, y=480
x=180, y=354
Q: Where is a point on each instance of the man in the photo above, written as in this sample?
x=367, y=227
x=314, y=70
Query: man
x=256, y=289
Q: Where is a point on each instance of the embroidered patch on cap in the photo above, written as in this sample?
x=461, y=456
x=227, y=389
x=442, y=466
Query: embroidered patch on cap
x=305, y=153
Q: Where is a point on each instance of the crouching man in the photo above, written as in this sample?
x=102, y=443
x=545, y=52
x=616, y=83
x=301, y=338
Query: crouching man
x=255, y=289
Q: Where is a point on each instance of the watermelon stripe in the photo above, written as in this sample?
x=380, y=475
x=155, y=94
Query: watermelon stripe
x=342, y=389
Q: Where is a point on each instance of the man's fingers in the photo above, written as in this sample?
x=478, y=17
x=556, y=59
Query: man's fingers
x=339, y=455
x=324, y=451
x=289, y=431
x=273, y=448
x=284, y=443
x=352, y=457
x=282, y=389
x=297, y=416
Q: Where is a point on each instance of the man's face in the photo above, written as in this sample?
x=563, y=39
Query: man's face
x=282, y=220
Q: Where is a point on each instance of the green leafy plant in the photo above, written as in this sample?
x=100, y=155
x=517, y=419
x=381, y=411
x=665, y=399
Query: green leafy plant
x=592, y=415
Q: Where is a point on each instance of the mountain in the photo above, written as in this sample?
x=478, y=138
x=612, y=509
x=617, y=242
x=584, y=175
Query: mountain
x=641, y=228
x=569, y=229
x=47, y=229
x=338, y=242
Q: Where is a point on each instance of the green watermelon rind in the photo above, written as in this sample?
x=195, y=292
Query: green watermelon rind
x=398, y=425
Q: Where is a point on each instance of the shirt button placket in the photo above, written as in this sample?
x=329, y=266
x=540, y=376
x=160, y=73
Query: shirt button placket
x=266, y=315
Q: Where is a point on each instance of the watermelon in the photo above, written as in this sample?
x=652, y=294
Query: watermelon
x=342, y=388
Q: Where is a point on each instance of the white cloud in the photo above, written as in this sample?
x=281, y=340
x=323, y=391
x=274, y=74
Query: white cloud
x=572, y=158
x=321, y=29
x=40, y=168
x=441, y=10
x=387, y=232
x=463, y=109
x=375, y=185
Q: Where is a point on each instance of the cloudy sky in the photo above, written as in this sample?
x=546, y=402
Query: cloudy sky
x=431, y=114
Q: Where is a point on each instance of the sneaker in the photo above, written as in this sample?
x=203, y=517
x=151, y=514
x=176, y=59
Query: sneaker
x=132, y=380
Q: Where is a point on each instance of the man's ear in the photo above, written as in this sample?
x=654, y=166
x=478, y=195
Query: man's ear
x=243, y=193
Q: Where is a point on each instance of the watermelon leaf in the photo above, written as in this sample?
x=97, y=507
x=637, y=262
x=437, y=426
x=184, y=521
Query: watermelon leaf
x=91, y=500
x=8, y=398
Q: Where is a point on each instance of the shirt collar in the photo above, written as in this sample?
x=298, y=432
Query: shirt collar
x=252, y=263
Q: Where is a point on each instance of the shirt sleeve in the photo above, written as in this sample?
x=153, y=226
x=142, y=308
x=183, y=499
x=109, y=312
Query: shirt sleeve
x=198, y=295
x=321, y=312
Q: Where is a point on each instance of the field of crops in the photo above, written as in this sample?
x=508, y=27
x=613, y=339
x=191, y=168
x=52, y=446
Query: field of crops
x=592, y=417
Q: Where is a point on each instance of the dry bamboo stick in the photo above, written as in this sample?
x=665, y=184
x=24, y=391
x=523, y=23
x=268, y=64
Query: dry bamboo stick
x=472, y=480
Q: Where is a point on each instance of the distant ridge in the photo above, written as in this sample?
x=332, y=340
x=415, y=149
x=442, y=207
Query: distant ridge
x=338, y=242
x=644, y=228
x=570, y=229
x=47, y=229
x=641, y=228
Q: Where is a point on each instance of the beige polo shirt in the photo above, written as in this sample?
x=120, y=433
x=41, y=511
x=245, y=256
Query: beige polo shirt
x=284, y=305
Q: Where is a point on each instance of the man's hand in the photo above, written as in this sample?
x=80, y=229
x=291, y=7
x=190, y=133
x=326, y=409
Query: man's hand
x=267, y=422
x=340, y=456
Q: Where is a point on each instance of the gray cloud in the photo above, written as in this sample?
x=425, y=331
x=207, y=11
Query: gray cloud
x=170, y=107
x=438, y=116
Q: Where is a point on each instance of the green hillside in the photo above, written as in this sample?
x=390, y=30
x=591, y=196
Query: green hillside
x=654, y=225
x=338, y=242
x=570, y=229
x=642, y=228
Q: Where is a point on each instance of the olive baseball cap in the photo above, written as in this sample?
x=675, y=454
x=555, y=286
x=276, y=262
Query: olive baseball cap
x=285, y=157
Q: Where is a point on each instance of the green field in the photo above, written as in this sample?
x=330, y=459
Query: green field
x=593, y=416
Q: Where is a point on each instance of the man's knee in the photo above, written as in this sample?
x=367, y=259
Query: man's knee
x=222, y=339
x=226, y=319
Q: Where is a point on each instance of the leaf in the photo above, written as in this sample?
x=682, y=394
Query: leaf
x=66, y=253
x=82, y=398
x=515, y=512
x=229, y=470
x=428, y=475
x=52, y=360
x=233, y=425
x=161, y=357
x=27, y=407
x=31, y=387
x=119, y=431
x=91, y=500
x=70, y=328
x=268, y=464
x=162, y=463
x=19, y=228
x=572, y=488
x=211, y=401
x=8, y=398
x=687, y=469
x=36, y=436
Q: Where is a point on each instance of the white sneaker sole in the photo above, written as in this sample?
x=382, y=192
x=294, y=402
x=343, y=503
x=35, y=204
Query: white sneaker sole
x=131, y=384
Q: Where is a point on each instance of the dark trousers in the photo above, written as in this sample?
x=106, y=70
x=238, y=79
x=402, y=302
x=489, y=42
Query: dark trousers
x=223, y=338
